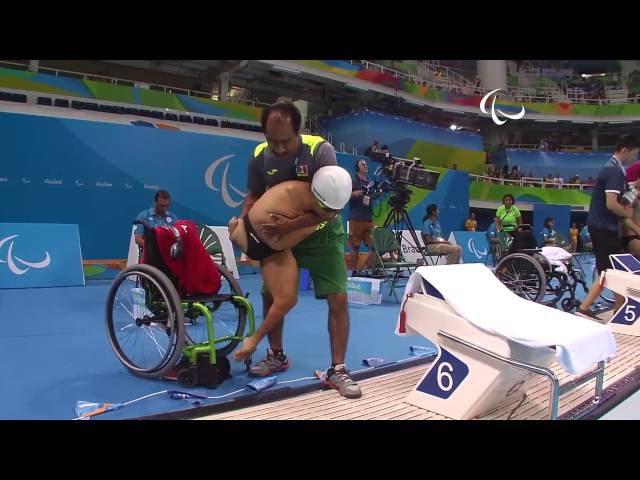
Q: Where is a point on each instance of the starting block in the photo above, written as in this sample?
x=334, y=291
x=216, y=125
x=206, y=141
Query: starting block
x=624, y=279
x=492, y=344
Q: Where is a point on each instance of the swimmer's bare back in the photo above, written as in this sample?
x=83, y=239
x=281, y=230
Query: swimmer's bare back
x=289, y=199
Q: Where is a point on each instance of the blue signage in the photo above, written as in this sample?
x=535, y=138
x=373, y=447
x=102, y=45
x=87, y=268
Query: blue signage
x=475, y=247
x=40, y=255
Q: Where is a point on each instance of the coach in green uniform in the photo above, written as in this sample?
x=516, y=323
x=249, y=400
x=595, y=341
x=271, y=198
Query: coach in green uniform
x=287, y=155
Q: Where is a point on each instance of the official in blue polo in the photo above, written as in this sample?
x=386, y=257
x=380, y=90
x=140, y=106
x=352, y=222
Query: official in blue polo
x=156, y=216
x=606, y=211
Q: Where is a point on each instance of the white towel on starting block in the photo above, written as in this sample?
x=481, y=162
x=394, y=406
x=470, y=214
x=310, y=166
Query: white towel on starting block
x=475, y=294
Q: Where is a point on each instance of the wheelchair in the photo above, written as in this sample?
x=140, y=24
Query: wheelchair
x=154, y=331
x=530, y=275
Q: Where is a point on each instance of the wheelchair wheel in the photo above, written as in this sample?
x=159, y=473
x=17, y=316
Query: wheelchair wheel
x=523, y=275
x=229, y=319
x=557, y=282
x=496, y=253
x=554, y=289
x=606, y=294
x=145, y=321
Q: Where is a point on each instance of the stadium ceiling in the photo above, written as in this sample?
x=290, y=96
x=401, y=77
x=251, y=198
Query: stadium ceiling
x=263, y=82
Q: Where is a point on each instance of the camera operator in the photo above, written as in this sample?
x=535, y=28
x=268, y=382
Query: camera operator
x=361, y=215
x=606, y=210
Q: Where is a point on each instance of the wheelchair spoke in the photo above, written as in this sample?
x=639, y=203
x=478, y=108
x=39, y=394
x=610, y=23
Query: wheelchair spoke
x=522, y=276
x=150, y=334
x=127, y=310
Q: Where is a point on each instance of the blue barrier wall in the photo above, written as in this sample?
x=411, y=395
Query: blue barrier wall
x=359, y=130
x=452, y=198
x=541, y=164
x=101, y=175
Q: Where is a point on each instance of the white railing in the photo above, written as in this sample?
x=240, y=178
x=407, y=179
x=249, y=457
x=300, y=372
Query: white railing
x=563, y=148
x=129, y=83
x=448, y=75
x=527, y=182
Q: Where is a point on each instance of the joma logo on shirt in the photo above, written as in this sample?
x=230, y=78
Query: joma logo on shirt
x=273, y=171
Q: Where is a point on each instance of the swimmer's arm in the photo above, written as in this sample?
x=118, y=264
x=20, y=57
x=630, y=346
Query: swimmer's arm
x=282, y=225
x=629, y=225
x=308, y=217
x=623, y=213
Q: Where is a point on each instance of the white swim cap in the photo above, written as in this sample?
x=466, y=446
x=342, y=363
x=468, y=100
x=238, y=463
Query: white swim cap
x=332, y=186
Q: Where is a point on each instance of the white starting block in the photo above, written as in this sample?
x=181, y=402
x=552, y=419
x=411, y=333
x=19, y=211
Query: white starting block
x=624, y=279
x=492, y=342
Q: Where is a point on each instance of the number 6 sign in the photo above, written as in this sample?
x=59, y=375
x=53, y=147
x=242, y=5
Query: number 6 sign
x=444, y=377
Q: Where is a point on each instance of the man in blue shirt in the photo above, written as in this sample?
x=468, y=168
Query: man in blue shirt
x=585, y=239
x=605, y=213
x=434, y=239
x=156, y=216
x=548, y=233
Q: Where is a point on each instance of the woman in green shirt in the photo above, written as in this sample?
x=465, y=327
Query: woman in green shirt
x=508, y=217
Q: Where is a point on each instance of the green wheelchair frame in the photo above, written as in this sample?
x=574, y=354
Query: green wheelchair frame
x=206, y=349
x=199, y=364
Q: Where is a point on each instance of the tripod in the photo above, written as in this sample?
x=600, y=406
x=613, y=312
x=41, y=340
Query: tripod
x=398, y=220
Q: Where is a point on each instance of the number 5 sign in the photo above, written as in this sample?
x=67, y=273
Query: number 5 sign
x=444, y=377
x=628, y=313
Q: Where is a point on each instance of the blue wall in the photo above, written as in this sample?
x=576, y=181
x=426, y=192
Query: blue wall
x=541, y=164
x=100, y=175
x=359, y=130
x=111, y=164
x=452, y=198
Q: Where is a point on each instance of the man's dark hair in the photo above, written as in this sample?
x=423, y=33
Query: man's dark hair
x=431, y=208
x=513, y=200
x=627, y=141
x=161, y=194
x=285, y=108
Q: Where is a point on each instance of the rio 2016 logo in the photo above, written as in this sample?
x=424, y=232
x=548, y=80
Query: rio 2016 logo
x=472, y=248
x=494, y=116
x=12, y=261
x=225, y=186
